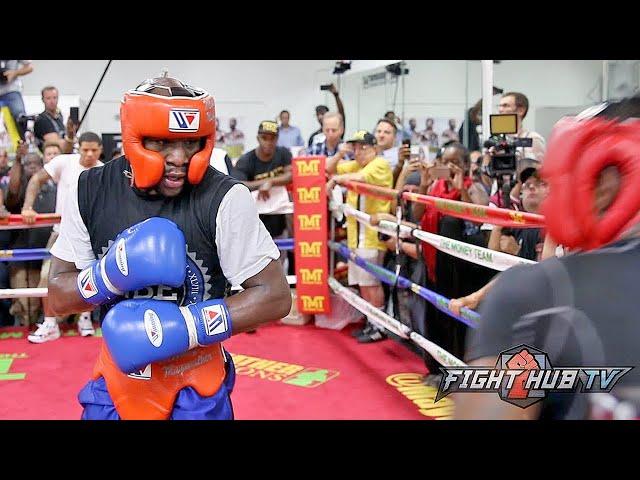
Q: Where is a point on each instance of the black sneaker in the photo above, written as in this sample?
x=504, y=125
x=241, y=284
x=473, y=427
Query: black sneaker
x=374, y=335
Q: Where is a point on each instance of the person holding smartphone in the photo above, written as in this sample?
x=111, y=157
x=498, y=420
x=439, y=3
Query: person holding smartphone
x=50, y=127
x=446, y=177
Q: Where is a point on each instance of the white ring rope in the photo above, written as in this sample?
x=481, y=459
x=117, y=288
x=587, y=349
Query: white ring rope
x=23, y=292
x=480, y=256
x=381, y=319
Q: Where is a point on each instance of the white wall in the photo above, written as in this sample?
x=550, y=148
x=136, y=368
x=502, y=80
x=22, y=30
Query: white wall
x=253, y=89
x=446, y=87
x=259, y=89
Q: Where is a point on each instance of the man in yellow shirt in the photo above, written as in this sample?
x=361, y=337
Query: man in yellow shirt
x=370, y=168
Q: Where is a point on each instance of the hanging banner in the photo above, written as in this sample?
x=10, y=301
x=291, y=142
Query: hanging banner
x=310, y=233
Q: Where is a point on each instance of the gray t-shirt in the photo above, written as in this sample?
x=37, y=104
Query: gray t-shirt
x=580, y=310
x=16, y=84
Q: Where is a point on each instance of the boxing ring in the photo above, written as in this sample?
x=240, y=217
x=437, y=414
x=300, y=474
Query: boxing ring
x=478, y=255
x=336, y=209
x=15, y=222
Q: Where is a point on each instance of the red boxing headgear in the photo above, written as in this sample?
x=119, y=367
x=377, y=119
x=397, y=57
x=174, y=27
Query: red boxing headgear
x=578, y=151
x=176, y=116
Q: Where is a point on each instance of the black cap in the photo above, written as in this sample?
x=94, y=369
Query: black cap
x=268, y=126
x=362, y=136
x=527, y=173
x=322, y=109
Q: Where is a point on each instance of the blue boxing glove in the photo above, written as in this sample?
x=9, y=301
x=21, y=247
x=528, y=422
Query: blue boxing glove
x=141, y=331
x=152, y=252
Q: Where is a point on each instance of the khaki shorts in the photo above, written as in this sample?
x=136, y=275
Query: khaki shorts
x=359, y=276
x=46, y=263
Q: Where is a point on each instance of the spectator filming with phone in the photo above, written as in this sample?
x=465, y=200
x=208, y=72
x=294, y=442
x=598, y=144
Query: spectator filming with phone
x=49, y=125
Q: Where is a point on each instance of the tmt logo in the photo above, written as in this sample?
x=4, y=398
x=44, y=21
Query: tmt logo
x=310, y=222
x=310, y=249
x=308, y=195
x=308, y=168
x=312, y=277
x=315, y=304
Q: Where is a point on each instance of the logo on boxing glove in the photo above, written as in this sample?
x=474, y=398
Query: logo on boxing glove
x=143, y=374
x=87, y=285
x=153, y=327
x=121, y=258
x=215, y=319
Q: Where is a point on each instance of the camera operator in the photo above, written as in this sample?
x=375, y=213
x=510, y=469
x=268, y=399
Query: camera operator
x=49, y=125
x=320, y=112
x=518, y=103
x=11, y=85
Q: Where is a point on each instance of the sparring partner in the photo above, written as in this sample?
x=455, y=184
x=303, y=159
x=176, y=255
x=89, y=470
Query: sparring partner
x=155, y=238
x=581, y=308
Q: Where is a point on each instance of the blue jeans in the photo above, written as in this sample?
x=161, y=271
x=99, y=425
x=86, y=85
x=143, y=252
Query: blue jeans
x=14, y=101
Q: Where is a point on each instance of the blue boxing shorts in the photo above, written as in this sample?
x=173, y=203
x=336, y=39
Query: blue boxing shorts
x=189, y=404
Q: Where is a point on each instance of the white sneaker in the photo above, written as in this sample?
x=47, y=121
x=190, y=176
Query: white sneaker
x=45, y=333
x=85, y=327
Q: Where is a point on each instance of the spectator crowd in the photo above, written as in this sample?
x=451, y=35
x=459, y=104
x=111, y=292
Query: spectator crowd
x=53, y=155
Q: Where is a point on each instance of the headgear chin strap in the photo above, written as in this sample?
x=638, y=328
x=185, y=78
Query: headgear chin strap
x=147, y=115
x=578, y=151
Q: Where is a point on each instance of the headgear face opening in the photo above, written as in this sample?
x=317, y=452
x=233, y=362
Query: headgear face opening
x=183, y=113
x=579, y=150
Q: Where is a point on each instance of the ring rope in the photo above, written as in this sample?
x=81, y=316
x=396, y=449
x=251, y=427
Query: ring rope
x=455, y=208
x=381, y=319
x=479, y=255
x=468, y=317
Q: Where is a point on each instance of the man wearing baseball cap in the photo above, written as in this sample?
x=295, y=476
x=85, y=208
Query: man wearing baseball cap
x=265, y=167
x=369, y=168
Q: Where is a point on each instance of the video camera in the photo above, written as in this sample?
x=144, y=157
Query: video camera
x=503, y=162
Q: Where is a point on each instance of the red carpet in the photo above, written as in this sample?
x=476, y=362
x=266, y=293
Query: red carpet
x=283, y=372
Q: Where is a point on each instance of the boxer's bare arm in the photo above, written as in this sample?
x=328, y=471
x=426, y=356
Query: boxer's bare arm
x=266, y=297
x=64, y=298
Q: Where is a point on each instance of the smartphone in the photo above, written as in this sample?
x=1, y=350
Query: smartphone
x=442, y=172
x=414, y=153
x=74, y=115
x=325, y=87
x=406, y=142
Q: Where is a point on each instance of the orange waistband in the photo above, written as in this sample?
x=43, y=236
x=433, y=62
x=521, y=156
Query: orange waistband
x=150, y=393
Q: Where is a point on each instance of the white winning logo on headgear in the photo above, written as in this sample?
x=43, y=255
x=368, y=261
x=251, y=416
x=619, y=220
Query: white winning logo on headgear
x=184, y=120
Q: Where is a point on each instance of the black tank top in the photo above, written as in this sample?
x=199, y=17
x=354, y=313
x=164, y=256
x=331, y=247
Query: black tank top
x=108, y=205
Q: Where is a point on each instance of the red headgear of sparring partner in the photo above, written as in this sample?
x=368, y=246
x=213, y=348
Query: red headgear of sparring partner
x=579, y=149
x=177, y=112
